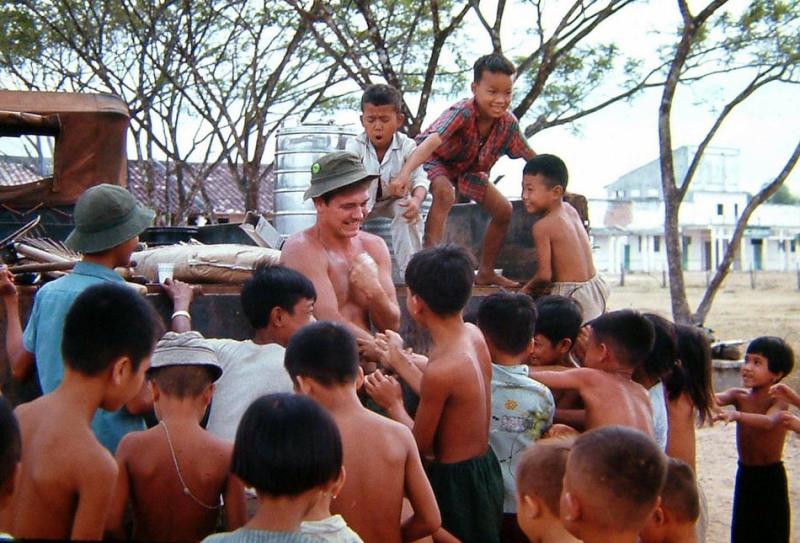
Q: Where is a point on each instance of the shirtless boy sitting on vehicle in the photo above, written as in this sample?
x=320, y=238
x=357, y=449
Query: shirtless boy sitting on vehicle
x=350, y=268
x=174, y=473
x=322, y=359
x=451, y=425
x=563, y=251
x=618, y=342
x=67, y=478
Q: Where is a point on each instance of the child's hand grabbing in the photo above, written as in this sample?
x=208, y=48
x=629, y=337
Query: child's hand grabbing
x=385, y=390
x=784, y=392
x=398, y=186
x=792, y=422
x=7, y=286
x=411, y=213
x=726, y=416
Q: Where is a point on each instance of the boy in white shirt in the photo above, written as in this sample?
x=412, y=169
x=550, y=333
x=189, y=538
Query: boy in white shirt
x=383, y=151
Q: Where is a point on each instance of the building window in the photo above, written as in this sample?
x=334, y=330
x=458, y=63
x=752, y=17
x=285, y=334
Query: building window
x=720, y=209
x=793, y=246
x=735, y=211
x=640, y=244
x=656, y=244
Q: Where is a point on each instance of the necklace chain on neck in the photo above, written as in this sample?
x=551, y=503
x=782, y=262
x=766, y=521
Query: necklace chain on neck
x=186, y=490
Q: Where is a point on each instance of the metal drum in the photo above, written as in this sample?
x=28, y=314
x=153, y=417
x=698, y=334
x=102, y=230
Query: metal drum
x=296, y=149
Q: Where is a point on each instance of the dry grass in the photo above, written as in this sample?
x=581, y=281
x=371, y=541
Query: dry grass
x=739, y=312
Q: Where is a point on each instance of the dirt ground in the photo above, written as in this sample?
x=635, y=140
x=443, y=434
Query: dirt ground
x=739, y=312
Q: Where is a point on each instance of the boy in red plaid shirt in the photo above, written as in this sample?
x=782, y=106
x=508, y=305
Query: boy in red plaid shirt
x=458, y=150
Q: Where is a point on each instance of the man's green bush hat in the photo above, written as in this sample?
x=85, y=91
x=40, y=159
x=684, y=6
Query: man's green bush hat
x=336, y=170
x=105, y=216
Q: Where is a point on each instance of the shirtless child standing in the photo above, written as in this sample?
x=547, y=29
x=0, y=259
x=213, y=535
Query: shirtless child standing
x=322, y=359
x=618, y=342
x=67, y=478
x=761, y=510
x=174, y=473
x=563, y=251
x=350, y=268
x=452, y=421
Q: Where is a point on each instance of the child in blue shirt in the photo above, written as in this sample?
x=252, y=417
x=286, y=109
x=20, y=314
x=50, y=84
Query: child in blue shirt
x=522, y=409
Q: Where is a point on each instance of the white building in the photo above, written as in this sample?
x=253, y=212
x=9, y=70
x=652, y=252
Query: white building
x=628, y=225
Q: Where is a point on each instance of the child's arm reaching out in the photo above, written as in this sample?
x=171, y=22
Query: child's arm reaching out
x=767, y=421
x=784, y=392
x=544, y=271
x=792, y=422
x=574, y=379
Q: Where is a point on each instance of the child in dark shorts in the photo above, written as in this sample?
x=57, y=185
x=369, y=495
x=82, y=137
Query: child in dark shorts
x=761, y=496
x=451, y=426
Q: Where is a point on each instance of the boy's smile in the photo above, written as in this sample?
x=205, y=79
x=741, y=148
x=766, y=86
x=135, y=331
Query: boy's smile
x=493, y=93
x=755, y=371
x=536, y=195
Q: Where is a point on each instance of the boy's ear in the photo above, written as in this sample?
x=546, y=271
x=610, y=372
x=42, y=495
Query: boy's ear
x=529, y=506
x=302, y=385
x=570, y=507
x=361, y=120
x=120, y=369
x=359, y=377
x=208, y=393
x=401, y=118
x=338, y=483
x=276, y=316
x=155, y=392
x=473, y=86
x=564, y=346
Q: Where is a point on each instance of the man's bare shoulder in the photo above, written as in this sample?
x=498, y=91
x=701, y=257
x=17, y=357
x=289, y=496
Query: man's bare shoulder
x=373, y=244
x=300, y=243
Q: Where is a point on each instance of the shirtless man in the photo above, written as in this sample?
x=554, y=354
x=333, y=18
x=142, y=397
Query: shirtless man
x=618, y=342
x=350, y=269
x=563, y=251
x=322, y=360
x=451, y=425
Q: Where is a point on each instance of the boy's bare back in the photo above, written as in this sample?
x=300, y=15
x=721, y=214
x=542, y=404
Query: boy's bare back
x=562, y=245
x=67, y=478
x=455, y=392
x=162, y=512
x=757, y=446
x=610, y=399
x=381, y=465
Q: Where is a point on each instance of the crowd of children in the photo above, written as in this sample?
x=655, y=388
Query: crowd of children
x=548, y=420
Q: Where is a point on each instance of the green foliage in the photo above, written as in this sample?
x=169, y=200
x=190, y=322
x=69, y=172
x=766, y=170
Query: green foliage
x=784, y=196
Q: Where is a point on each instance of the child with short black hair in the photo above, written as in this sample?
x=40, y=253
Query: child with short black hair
x=673, y=521
x=522, y=408
x=451, y=426
x=564, y=262
x=109, y=334
x=177, y=462
x=612, y=484
x=761, y=509
x=10, y=454
x=540, y=476
x=289, y=449
x=277, y=301
x=618, y=343
x=322, y=359
x=459, y=149
x=383, y=150
x=558, y=323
